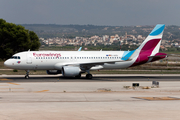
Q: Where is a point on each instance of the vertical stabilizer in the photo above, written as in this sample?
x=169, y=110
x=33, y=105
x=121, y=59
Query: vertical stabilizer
x=151, y=44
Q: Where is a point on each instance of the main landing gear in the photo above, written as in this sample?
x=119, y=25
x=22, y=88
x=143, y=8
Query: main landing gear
x=27, y=74
x=89, y=75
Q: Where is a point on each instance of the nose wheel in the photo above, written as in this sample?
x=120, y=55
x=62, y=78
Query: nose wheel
x=27, y=74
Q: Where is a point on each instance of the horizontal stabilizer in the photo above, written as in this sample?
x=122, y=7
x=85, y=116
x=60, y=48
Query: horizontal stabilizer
x=159, y=55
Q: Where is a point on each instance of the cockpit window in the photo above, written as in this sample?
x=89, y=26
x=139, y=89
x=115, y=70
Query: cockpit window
x=15, y=57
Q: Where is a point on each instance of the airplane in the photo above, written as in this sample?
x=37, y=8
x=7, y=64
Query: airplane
x=74, y=63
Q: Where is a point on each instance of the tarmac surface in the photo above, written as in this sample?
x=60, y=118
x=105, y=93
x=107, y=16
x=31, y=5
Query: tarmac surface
x=105, y=97
x=96, y=78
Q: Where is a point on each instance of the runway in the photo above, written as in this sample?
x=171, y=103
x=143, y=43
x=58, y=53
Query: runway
x=105, y=97
x=96, y=78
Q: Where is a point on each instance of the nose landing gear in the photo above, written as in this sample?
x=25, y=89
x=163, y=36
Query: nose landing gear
x=27, y=74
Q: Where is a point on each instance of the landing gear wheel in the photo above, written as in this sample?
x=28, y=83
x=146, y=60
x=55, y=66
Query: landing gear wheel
x=26, y=76
x=78, y=76
x=89, y=76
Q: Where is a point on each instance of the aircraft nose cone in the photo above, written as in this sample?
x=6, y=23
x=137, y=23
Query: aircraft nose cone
x=6, y=63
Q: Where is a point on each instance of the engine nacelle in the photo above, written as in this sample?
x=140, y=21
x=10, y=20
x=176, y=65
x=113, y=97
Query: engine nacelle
x=70, y=71
x=53, y=72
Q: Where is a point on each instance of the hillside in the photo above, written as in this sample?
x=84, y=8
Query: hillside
x=70, y=31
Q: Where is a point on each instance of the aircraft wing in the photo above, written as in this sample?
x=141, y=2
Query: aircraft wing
x=88, y=65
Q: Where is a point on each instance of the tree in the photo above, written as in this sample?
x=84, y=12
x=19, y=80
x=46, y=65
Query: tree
x=35, y=43
x=15, y=38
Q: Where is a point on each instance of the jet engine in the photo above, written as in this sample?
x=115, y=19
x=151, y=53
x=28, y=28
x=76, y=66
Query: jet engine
x=53, y=72
x=70, y=71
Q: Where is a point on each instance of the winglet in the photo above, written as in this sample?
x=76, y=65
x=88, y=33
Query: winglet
x=80, y=49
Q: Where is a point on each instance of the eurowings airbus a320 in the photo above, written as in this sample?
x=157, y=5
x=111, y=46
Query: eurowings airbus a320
x=73, y=63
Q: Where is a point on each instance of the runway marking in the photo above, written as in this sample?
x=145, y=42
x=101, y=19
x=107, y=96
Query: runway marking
x=17, y=88
x=103, y=90
x=158, y=98
x=11, y=88
x=13, y=83
x=4, y=79
x=41, y=91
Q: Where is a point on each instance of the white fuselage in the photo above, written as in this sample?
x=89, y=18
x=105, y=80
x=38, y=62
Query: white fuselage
x=55, y=60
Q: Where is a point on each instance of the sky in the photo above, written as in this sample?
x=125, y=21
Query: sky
x=95, y=12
